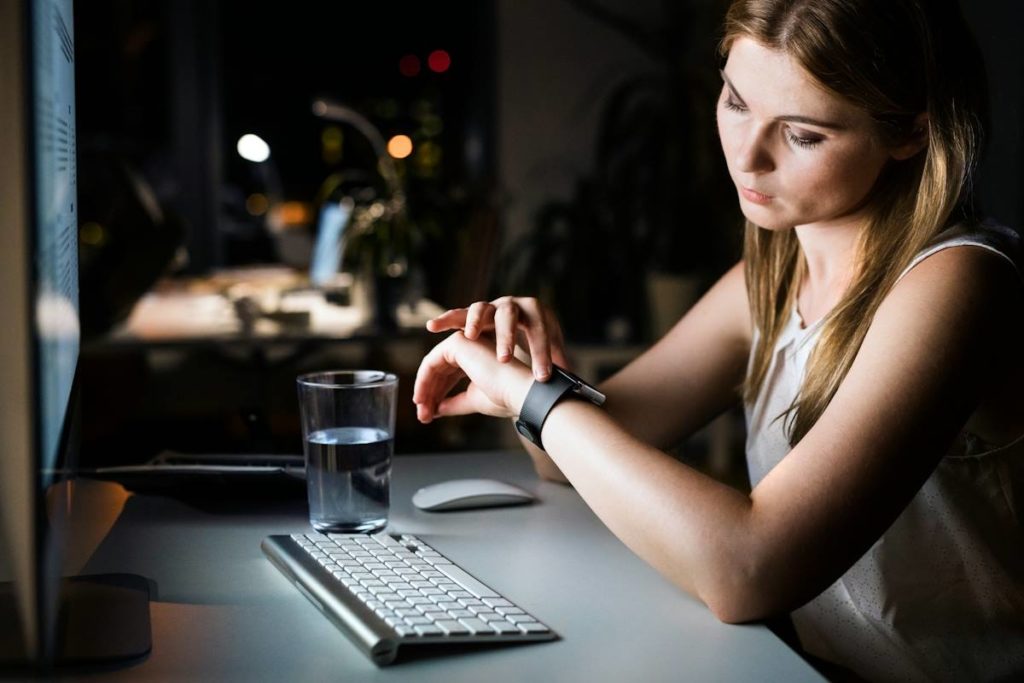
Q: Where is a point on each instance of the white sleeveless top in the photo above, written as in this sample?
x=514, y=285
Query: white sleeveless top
x=940, y=596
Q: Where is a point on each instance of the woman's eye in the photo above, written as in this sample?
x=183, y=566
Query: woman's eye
x=732, y=105
x=803, y=140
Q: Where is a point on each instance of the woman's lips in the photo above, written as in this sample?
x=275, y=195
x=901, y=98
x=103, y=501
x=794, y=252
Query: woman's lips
x=755, y=196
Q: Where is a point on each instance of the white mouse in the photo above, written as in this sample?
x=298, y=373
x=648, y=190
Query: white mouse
x=461, y=494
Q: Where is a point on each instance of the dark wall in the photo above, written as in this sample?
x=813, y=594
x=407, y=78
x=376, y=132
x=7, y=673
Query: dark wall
x=997, y=26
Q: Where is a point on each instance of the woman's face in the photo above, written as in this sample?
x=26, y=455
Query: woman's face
x=798, y=154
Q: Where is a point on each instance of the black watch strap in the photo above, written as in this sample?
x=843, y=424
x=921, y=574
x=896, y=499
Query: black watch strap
x=543, y=396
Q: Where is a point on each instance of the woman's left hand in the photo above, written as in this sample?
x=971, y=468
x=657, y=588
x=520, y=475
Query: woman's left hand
x=495, y=388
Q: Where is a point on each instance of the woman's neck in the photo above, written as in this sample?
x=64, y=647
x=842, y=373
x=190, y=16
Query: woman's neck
x=830, y=256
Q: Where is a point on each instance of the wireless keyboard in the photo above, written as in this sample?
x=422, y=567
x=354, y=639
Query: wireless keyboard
x=386, y=592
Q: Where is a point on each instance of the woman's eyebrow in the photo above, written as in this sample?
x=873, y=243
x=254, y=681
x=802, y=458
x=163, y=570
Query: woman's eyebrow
x=732, y=88
x=789, y=118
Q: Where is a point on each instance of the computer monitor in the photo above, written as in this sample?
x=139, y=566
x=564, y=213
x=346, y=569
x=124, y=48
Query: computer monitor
x=327, y=254
x=39, y=341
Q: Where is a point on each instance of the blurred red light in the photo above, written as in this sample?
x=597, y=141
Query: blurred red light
x=439, y=61
x=409, y=65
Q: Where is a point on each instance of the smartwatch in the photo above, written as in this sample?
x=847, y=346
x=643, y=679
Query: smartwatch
x=543, y=396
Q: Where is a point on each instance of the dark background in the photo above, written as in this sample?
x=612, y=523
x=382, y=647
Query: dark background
x=568, y=152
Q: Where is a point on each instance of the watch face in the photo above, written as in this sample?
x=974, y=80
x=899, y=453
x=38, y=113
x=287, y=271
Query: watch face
x=582, y=388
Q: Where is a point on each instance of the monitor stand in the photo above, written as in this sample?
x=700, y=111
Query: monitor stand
x=102, y=625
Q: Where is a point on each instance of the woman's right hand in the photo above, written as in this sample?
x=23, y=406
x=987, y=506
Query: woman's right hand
x=511, y=319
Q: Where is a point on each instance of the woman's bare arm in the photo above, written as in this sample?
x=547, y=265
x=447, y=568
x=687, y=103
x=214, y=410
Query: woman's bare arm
x=692, y=374
x=688, y=377
x=917, y=378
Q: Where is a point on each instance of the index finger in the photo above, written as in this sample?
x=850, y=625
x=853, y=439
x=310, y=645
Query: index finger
x=453, y=319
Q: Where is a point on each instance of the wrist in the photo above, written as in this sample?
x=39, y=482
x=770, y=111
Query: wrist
x=518, y=388
x=542, y=397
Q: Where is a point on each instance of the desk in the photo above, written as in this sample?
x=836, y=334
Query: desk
x=223, y=612
x=186, y=372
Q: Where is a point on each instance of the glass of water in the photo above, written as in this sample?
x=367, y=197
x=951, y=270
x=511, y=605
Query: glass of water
x=348, y=427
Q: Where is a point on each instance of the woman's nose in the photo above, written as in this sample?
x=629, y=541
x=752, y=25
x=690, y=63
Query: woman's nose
x=753, y=155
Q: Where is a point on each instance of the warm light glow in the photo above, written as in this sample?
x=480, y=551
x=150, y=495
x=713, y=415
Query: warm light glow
x=253, y=148
x=409, y=65
x=256, y=204
x=400, y=146
x=292, y=214
x=439, y=61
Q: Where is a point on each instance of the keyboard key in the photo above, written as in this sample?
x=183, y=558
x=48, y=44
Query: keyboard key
x=503, y=627
x=387, y=541
x=496, y=601
x=466, y=581
x=429, y=630
x=461, y=613
x=400, y=586
x=478, y=627
x=418, y=620
x=448, y=586
x=533, y=627
x=454, y=628
x=489, y=617
x=520, y=618
x=506, y=611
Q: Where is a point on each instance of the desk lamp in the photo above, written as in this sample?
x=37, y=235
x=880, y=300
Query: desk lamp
x=386, y=260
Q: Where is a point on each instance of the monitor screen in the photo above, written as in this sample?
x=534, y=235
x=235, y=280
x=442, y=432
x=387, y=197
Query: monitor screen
x=326, y=261
x=39, y=344
x=55, y=251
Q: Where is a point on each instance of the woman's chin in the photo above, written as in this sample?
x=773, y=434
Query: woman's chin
x=763, y=217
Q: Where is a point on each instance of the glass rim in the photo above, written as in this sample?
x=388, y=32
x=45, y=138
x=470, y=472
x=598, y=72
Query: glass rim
x=323, y=379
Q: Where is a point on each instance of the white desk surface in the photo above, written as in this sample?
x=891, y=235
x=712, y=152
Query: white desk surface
x=224, y=613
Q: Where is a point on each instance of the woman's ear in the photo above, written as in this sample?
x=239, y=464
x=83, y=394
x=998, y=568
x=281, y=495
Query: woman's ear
x=917, y=141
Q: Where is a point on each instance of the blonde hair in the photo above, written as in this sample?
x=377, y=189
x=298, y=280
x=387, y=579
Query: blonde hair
x=895, y=59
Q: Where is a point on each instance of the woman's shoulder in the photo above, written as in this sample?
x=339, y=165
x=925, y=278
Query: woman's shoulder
x=1000, y=240
x=968, y=285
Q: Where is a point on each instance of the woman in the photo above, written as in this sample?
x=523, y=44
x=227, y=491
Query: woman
x=874, y=327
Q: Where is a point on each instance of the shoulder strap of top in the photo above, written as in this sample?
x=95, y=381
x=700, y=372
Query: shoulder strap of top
x=996, y=238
